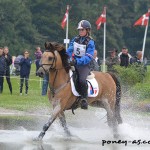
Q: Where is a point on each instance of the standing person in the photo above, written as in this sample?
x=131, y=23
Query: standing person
x=96, y=57
x=2, y=69
x=82, y=49
x=25, y=66
x=45, y=84
x=112, y=60
x=38, y=54
x=8, y=59
x=95, y=63
x=124, y=57
x=137, y=59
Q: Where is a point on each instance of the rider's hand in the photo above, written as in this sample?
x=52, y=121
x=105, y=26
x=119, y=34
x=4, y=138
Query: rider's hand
x=73, y=62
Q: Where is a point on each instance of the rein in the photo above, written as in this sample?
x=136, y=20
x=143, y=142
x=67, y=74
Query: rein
x=55, y=91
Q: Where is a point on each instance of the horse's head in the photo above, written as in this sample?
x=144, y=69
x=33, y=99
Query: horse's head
x=53, y=58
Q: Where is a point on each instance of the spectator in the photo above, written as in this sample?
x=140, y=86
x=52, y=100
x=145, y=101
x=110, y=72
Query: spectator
x=2, y=69
x=112, y=60
x=124, y=57
x=95, y=62
x=96, y=58
x=17, y=64
x=8, y=59
x=45, y=84
x=138, y=60
x=25, y=66
x=38, y=54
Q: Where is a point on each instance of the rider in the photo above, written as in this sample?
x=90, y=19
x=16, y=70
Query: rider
x=82, y=49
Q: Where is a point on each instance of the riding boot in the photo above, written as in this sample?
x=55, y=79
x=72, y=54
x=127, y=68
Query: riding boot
x=83, y=99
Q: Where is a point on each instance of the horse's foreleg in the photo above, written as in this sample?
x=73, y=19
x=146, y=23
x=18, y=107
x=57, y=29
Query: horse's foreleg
x=54, y=115
x=62, y=119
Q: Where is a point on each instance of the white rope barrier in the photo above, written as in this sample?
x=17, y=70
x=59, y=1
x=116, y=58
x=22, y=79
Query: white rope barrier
x=17, y=77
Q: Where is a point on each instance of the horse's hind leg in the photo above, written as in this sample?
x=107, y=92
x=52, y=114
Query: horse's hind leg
x=62, y=119
x=111, y=118
x=117, y=106
x=117, y=115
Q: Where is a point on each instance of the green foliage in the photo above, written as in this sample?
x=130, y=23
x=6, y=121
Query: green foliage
x=136, y=80
x=131, y=75
x=141, y=91
x=26, y=24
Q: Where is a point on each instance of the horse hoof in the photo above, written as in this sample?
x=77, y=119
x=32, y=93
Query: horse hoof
x=37, y=139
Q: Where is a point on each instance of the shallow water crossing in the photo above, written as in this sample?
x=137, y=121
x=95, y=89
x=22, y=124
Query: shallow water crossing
x=88, y=128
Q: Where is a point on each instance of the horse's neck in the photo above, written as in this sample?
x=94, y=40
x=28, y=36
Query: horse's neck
x=58, y=78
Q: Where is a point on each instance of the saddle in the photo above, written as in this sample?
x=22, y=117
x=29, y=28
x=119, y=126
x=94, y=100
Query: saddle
x=92, y=84
x=93, y=88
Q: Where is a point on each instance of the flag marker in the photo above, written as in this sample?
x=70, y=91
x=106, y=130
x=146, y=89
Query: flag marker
x=99, y=21
x=143, y=21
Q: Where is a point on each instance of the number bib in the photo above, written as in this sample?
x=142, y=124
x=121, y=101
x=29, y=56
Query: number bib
x=79, y=49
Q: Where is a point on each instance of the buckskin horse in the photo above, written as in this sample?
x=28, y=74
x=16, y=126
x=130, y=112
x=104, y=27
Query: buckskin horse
x=55, y=62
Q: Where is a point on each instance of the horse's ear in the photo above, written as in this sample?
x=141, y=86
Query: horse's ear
x=49, y=46
x=46, y=45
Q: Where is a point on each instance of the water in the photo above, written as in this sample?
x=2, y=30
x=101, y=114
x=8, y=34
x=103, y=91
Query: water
x=89, y=130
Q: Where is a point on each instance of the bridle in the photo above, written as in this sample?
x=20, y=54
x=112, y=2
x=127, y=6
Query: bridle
x=52, y=65
x=54, y=69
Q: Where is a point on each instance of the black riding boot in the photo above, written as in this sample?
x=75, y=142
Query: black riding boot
x=83, y=99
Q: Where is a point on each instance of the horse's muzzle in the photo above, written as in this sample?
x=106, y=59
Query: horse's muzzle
x=40, y=72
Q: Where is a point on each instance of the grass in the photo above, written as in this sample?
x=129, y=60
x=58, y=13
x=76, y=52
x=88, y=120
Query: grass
x=32, y=101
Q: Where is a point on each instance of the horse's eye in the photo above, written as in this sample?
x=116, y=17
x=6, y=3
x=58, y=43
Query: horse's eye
x=50, y=58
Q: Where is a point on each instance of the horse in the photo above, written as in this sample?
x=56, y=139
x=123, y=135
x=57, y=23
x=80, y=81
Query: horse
x=55, y=62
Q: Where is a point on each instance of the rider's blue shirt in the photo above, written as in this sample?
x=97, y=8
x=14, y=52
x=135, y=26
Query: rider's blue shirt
x=85, y=59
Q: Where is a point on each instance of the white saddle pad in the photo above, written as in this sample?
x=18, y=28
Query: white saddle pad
x=92, y=92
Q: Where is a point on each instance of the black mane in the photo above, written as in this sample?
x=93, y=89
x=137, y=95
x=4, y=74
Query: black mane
x=52, y=46
x=65, y=59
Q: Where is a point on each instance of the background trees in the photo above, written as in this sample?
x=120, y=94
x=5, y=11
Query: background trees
x=26, y=24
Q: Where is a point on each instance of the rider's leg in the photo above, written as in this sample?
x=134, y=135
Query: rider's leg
x=83, y=72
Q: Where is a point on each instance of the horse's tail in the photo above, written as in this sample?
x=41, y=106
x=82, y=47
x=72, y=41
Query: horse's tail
x=118, y=98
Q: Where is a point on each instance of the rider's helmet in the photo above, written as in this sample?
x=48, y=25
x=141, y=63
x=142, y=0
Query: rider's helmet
x=84, y=24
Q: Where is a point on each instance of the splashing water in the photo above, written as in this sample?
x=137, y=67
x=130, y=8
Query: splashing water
x=89, y=131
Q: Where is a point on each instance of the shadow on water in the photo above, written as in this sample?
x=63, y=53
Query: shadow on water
x=19, y=122
x=89, y=131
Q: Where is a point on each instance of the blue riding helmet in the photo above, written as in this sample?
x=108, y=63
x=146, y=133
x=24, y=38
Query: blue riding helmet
x=84, y=24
